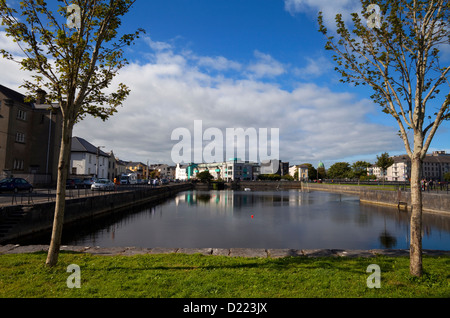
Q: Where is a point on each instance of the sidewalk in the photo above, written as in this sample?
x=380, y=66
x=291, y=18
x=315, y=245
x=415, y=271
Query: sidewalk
x=232, y=252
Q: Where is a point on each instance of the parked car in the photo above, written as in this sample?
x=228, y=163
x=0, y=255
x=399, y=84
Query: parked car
x=75, y=184
x=15, y=184
x=89, y=182
x=103, y=184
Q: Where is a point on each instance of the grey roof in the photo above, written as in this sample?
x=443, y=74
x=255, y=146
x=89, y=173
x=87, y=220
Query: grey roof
x=429, y=158
x=81, y=145
x=12, y=94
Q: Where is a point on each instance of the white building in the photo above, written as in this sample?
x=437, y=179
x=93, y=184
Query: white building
x=400, y=170
x=302, y=172
x=88, y=160
x=180, y=172
x=231, y=170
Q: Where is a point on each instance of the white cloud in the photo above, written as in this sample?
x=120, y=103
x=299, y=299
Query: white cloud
x=315, y=123
x=315, y=67
x=219, y=63
x=328, y=8
x=265, y=66
x=171, y=91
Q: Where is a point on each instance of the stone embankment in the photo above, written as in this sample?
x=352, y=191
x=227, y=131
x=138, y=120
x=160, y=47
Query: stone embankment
x=432, y=202
x=27, y=220
x=232, y=252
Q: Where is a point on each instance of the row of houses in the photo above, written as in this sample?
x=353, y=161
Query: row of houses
x=30, y=141
x=434, y=167
x=88, y=160
x=236, y=169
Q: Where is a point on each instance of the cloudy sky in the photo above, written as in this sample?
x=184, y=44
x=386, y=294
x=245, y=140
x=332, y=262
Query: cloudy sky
x=239, y=64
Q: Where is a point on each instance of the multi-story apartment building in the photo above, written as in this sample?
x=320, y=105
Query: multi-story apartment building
x=230, y=170
x=435, y=165
x=30, y=137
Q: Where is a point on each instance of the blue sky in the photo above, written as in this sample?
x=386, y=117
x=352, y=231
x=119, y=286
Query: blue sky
x=241, y=63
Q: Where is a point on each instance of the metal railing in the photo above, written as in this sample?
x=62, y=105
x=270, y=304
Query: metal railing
x=42, y=195
x=435, y=187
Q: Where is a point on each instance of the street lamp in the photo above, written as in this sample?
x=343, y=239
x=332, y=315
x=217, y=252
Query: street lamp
x=98, y=154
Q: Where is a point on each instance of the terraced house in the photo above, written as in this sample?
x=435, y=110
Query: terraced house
x=30, y=137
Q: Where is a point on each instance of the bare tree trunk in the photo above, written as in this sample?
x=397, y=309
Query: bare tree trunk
x=58, y=221
x=415, y=251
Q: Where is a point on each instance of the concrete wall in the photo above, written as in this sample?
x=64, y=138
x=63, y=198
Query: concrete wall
x=432, y=202
x=38, y=218
x=270, y=185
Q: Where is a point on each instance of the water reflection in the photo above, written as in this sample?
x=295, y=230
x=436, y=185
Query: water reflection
x=267, y=219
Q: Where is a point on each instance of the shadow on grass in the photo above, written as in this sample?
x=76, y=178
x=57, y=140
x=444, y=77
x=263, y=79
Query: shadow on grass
x=186, y=262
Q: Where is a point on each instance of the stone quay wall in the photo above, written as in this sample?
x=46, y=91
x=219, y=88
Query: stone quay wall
x=38, y=218
x=432, y=202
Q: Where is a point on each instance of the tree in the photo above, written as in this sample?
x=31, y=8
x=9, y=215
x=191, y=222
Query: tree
x=321, y=172
x=340, y=170
x=398, y=58
x=312, y=172
x=359, y=169
x=447, y=176
x=384, y=162
x=205, y=176
x=75, y=61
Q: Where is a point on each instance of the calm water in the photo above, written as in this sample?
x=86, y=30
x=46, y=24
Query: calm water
x=281, y=219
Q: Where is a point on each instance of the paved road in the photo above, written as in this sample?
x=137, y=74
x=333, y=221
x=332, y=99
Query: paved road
x=40, y=195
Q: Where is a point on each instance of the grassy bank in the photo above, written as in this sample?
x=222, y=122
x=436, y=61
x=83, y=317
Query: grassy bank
x=182, y=276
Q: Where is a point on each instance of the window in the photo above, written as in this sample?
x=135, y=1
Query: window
x=20, y=137
x=18, y=164
x=21, y=114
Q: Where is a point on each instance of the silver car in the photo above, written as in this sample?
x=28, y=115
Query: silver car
x=103, y=184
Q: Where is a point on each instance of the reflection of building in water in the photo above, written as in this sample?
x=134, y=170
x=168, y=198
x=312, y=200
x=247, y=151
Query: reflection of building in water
x=226, y=199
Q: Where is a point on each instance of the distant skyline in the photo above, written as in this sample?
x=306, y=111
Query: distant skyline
x=239, y=63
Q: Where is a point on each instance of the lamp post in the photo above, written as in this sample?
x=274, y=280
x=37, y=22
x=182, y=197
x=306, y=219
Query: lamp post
x=98, y=154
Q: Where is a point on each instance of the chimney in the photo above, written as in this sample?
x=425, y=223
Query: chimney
x=40, y=96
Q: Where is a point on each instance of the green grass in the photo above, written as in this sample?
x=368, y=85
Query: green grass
x=199, y=276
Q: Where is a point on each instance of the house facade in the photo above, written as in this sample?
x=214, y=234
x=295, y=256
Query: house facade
x=141, y=169
x=302, y=172
x=88, y=160
x=181, y=172
x=30, y=137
